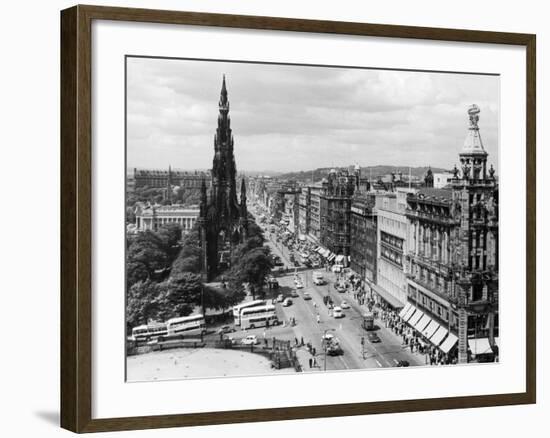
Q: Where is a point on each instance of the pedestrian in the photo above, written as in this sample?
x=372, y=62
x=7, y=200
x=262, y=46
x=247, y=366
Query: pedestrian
x=296, y=341
x=318, y=318
x=310, y=362
x=302, y=341
x=315, y=362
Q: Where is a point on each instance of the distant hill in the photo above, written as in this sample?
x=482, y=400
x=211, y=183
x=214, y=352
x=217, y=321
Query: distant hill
x=375, y=171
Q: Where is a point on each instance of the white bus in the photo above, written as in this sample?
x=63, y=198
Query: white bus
x=237, y=309
x=186, y=325
x=260, y=316
x=147, y=332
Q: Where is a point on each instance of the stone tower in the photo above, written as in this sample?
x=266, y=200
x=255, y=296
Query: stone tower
x=223, y=220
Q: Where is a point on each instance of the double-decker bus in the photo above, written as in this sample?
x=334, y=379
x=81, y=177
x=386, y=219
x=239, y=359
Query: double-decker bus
x=186, y=325
x=148, y=332
x=259, y=316
x=237, y=309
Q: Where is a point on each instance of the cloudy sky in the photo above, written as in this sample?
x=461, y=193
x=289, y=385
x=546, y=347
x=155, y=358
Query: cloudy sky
x=287, y=118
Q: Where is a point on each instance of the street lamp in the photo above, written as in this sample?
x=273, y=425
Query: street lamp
x=325, y=344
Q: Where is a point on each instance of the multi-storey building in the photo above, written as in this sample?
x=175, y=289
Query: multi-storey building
x=304, y=201
x=159, y=178
x=363, y=250
x=391, y=246
x=335, y=197
x=315, y=213
x=452, y=263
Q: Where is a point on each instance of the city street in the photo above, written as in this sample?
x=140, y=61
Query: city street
x=348, y=330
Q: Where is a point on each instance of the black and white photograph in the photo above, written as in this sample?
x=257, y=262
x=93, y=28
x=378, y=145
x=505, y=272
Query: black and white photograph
x=286, y=218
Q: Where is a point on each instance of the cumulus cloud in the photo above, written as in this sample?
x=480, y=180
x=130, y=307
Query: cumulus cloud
x=287, y=117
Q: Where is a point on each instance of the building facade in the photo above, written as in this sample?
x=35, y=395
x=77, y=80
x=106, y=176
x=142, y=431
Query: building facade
x=391, y=247
x=363, y=248
x=452, y=264
x=335, y=210
x=159, y=178
x=152, y=217
x=314, y=231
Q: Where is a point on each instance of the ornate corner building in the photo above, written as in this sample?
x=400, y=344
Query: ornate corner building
x=452, y=259
x=223, y=220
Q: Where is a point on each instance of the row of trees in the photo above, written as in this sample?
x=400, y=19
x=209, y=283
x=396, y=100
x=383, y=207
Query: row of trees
x=164, y=274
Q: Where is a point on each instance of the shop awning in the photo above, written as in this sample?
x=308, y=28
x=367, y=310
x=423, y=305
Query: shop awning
x=430, y=329
x=438, y=336
x=422, y=323
x=389, y=298
x=404, y=310
x=448, y=343
x=339, y=258
x=302, y=237
x=480, y=345
x=409, y=313
x=330, y=257
x=416, y=317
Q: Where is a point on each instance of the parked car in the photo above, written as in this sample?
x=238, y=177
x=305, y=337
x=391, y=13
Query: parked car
x=250, y=340
x=402, y=363
x=340, y=288
x=337, y=268
x=344, y=304
x=373, y=337
x=280, y=298
x=287, y=302
x=294, y=294
x=337, y=312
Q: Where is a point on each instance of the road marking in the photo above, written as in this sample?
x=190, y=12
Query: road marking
x=396, y=361
x=379, y=364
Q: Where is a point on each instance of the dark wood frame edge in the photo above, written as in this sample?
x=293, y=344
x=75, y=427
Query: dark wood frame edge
x=76, y=165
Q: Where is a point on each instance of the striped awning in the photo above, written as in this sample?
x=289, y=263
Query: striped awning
x=438, y=336
x=330, y=257
x=409, y=313
x=416, y=317
x=430, y=329
x=422, y=323
x=404, y=310
x=449, y=343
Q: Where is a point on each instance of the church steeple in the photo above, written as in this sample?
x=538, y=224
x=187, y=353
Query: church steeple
x=168, y=196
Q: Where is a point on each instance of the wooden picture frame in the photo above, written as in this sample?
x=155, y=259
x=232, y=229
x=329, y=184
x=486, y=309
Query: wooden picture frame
x=76, y=217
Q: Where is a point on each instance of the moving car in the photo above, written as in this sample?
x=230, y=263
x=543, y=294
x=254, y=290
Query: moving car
x=307, y=296
x=344, y=304
x=226, y=329
x=280, y=298
x=287, y=302
x=340, y=288
x=318, y=278
x=250, y=340
x=334, y=348
x=294, y=294
x=299, y=285
x=373, y=337
x=337, y=312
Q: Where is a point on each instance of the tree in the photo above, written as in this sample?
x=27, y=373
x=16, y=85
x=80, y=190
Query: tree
x=145, y=257
x=142, y=303
x=170, y=237
x=179, y=295
x=253, y=268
